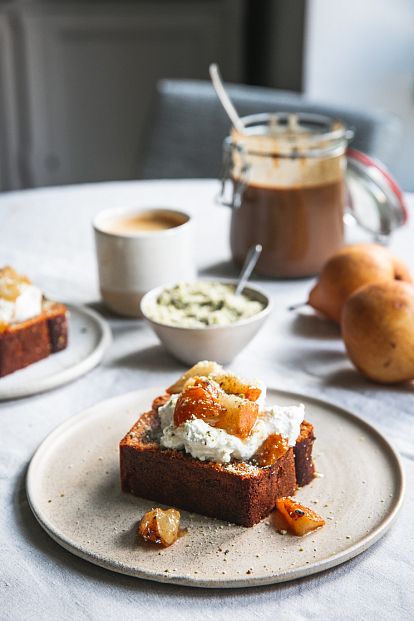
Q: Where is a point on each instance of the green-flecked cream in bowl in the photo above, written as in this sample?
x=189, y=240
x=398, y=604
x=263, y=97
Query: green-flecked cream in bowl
x=204, y=320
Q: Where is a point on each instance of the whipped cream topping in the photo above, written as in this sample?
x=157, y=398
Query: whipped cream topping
x=209, y=443
x=27, y=303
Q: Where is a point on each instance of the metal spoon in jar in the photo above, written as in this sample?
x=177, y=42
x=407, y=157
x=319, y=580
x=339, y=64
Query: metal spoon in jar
x=248, y=267
x=225, y=99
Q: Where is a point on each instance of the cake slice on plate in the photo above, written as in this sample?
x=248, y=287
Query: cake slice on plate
x=31, y=327
x=210, y=446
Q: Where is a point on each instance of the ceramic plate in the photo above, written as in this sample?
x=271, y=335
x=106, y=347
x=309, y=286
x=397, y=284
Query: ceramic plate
x=74, y=491
x=89, y=338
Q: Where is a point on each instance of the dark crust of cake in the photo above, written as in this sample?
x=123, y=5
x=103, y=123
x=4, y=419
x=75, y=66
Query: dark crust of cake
x=239, y=492
x=24, y=343
x=305, y=468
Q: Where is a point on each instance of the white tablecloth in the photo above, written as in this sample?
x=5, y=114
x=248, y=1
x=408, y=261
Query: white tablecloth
x=47, y=234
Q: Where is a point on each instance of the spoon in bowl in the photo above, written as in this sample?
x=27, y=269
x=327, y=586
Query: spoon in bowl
x=225, y=99
x=248, y=266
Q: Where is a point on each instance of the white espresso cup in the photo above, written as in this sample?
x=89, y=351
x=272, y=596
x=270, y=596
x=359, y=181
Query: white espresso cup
x=139, y=249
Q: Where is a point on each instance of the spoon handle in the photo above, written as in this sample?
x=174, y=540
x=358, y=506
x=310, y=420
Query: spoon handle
x=224, y=98
x=250, y=262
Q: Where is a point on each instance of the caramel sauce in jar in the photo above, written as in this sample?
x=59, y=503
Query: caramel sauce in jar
x=299, y=228
x=287, y=173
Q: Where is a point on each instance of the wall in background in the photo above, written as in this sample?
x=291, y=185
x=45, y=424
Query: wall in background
x=274, y=43
x=77, y=80
x=361, y=54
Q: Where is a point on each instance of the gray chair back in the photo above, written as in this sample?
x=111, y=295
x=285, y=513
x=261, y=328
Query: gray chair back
x=188, y=126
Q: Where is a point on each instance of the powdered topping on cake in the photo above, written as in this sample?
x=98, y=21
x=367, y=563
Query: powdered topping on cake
x=220, y=417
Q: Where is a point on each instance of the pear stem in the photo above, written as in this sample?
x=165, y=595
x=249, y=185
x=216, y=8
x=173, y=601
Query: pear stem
x=299, y=305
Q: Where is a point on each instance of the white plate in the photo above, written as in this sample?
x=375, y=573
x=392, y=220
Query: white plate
x=74, y=491
x=89, y=336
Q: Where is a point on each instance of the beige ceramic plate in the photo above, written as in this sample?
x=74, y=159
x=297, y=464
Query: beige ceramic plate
x=74, y=491
x=89, y=337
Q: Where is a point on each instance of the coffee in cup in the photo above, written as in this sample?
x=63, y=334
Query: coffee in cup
x=151, y=220
x=139, y=249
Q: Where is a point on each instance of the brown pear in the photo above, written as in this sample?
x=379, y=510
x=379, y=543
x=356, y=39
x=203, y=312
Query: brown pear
x=348, y=269
x=378, y=330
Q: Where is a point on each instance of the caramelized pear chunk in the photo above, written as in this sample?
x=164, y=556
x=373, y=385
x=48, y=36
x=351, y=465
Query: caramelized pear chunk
x=272, y=448
x=253, y=393
x=299, y=519
x=230, y=383
x=203, y=398
x=199, y=401
x=10, y=283
x=235, y=385
x=204, y=368
x=240, y=415
x=160, y=526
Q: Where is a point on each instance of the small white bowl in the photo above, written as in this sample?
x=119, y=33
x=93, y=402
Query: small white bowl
x=217, y=343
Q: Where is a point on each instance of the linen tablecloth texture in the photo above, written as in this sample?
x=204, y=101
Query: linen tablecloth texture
x=47, y=234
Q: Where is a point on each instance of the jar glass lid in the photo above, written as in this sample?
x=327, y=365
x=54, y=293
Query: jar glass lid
x=285, y=134
x=373, y=196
